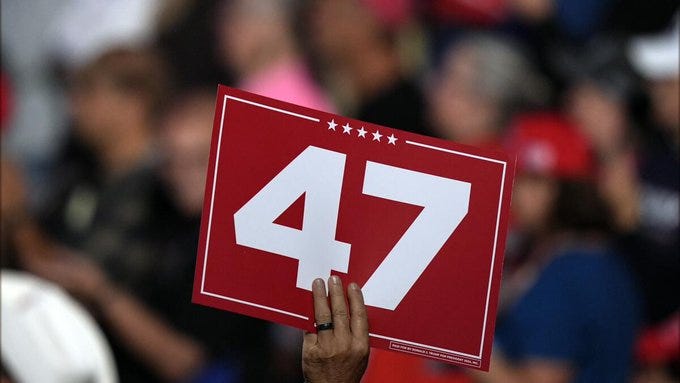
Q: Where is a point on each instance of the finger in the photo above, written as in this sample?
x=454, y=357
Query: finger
x=322, y=313
x=359, y=321
x=338, y=306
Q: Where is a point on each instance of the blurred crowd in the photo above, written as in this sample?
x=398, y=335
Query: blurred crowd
x=107, y=110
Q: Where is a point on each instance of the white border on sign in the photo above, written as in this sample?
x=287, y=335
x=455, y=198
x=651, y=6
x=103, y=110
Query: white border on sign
x=426, y=146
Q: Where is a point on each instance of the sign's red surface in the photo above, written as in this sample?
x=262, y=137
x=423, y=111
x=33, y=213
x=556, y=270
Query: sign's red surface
x=294, y=194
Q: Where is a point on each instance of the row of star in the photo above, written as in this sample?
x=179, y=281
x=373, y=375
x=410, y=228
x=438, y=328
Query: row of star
x=347, y=129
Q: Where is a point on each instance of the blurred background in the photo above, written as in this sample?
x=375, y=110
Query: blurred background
x=107, y=109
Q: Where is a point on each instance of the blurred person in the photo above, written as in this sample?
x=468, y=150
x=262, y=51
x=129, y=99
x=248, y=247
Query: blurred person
x=129, y=324
x=598, y=95
x=102, y=213
x=257, y=42
x=42, y=42
x=184, y=139
x=100, y=201
x=356, y=44
x=569, y=309
x=655, y=57
x=597, y=102
x=480, y=83
x=156, y=332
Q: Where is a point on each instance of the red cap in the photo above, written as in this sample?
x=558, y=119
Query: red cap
x=545, y=144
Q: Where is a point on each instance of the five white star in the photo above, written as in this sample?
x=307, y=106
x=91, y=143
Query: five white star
x=332, y=124
x=346, y=128
x=361, y=132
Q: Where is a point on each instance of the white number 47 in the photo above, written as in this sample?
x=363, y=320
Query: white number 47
x=319, y=173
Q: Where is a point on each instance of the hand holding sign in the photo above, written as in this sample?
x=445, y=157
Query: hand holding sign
x=338, y=353
x=295, y=194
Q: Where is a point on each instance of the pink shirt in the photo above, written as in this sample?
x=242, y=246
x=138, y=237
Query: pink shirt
x=289, y=81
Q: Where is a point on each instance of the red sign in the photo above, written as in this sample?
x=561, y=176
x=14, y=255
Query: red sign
x=295, y=194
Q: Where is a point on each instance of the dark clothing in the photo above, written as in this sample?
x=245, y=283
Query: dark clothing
x=583, y=310
x=400, y=106
x=130, y=227
x=234, y=342
x=109, y=220
x=114, y=222
x=653, y=248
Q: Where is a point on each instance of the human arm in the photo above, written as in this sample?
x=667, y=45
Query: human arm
x=171, y=355
x=340, y=354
